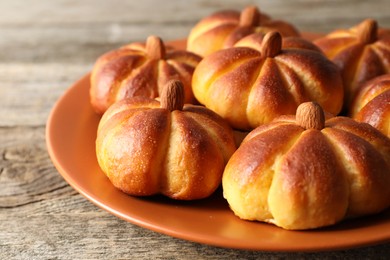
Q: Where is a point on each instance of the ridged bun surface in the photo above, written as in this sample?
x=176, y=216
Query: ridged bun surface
x=253, y=84
x=223, y=29
x=140, y=69
x=147, y=147
x=361, y=52
x=297, y=175
x=372, y=103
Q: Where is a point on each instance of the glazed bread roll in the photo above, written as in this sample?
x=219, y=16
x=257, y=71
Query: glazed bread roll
x=305, y=171
x=361, y=52
x=147, y=147
x=372, y=103
x=139, y=69
x=253, y=84
x=223, y=29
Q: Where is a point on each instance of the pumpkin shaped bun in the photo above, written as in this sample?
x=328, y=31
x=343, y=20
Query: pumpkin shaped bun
x=372, y=103
x=361, y=52
x=306, y=171
x=139, y=69
x=253, y=84
x=223, y=29
x=147, y=147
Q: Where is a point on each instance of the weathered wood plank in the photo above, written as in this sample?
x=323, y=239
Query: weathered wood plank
x=28, y=91
x=26, y=173
x=304, y=13
x=62, y=30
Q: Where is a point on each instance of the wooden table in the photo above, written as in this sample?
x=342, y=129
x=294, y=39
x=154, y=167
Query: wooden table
x=47, y=45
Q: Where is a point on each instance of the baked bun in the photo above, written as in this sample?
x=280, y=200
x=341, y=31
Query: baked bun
x=252, y=85
x=361, y=52
x=139, y=69
x=223, y=29
x=147, y=147
x=306, y=172
x=372, y=103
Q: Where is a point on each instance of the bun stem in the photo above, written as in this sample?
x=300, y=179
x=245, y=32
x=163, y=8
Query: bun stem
x=250, y=16
x=368, y=31
x=155, y=48
x=272, y=44
x=310, y=115
x=172, y=96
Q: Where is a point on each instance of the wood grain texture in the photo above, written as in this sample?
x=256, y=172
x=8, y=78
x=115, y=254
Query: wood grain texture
x=45, y=47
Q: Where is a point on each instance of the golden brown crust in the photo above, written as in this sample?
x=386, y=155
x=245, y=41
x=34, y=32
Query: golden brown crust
x=131, y=71
x=360, y=58
x=306, y=195
x=248, y=89
x=377, y=113
x=372, y=103
x=131, y=164
x=368, y=189
x=146, y=150
x=249, y=172
x=365, y=131
x=304, y=179
x=224, y=29
x=190, y=174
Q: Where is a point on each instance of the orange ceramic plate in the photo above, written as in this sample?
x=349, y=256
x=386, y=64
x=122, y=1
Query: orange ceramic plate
x=70, y=135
